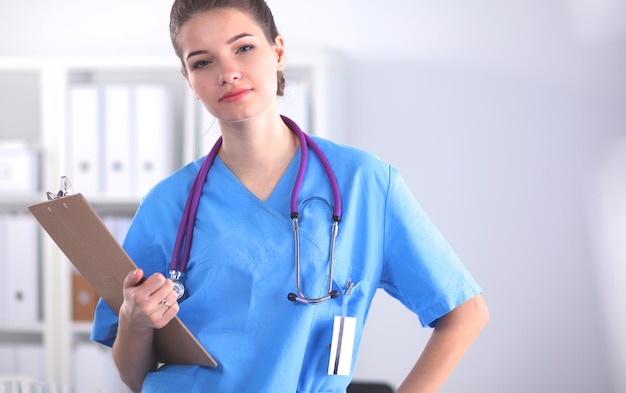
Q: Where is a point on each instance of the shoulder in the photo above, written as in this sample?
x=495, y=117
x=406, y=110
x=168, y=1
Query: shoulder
x=361, y=171
x=351, y=159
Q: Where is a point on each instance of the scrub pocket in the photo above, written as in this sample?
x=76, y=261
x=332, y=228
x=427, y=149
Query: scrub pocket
x=355, y=303
x=318, y=350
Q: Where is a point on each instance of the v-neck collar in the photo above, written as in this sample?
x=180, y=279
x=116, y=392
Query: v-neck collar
x=279, y=199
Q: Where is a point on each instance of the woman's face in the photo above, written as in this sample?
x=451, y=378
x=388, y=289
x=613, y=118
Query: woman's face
x=230, y=65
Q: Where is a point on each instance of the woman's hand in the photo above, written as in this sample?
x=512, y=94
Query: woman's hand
x=148, y=303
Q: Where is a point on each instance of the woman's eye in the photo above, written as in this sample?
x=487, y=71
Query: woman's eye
x=201, y=64
x=245, y=48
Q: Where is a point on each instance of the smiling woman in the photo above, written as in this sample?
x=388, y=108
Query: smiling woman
x=229, y=63
x=259, y=209
x=458, y=96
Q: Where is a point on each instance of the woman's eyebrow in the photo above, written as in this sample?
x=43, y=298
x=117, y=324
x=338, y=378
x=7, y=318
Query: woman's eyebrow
x=196, y=53
x=229, y=41
x=238, y=37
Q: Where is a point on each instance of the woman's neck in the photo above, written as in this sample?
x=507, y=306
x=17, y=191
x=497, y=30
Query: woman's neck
x=258, y=152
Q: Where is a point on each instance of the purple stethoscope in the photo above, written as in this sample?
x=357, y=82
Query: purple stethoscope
x=182, y=247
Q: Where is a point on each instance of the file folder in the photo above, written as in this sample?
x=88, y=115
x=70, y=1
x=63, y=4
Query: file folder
x=20, y=288
x=153, y=137
x=118, y=112
x=85, y=120
x=79, y=232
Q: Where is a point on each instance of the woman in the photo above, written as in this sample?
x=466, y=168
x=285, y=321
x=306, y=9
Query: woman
x=241, y=266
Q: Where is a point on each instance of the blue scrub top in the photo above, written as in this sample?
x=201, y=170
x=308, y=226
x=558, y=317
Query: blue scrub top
x=242, y=267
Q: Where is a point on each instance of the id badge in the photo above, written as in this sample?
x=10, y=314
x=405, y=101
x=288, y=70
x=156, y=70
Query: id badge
x=340, y=362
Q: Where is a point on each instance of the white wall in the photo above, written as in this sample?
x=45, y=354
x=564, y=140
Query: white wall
x=502, y=117
x=502, y=166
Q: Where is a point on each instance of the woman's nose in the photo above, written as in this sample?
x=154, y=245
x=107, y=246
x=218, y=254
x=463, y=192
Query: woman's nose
x=229, y=73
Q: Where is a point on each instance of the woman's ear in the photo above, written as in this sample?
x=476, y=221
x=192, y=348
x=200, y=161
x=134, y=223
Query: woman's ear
x=279, y=47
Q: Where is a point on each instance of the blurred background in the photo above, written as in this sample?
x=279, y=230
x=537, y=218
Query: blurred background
x=508, y=121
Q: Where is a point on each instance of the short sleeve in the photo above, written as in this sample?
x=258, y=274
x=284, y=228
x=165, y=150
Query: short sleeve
x=421, y=269
x=104, y=328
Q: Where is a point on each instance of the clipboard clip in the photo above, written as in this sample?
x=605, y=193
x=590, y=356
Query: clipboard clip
x=65, y=189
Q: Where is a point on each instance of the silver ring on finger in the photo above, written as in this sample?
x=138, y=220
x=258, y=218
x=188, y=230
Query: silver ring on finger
x=165, y=302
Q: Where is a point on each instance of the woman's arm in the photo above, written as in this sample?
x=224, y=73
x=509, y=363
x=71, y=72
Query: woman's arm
x=451, y=338
x=147, y=306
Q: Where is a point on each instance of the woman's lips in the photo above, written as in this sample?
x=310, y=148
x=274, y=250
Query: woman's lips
x=234, y=95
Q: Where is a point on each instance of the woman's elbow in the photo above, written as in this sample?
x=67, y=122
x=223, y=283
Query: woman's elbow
x=481, y=311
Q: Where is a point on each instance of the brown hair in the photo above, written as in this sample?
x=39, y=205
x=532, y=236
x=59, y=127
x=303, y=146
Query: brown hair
x=183, y=10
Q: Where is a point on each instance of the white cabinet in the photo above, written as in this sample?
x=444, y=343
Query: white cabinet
x=89, y=114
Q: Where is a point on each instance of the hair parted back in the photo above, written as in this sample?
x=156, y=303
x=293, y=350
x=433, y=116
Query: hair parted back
x=183, y=10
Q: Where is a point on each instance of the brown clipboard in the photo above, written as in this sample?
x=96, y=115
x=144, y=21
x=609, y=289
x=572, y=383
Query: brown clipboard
x=79, y=232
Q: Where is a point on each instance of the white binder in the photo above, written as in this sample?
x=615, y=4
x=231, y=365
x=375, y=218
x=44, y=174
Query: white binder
x=117, y=135
x=85, y=145
x=153, y=131
x=3, y=277
x=22, y=272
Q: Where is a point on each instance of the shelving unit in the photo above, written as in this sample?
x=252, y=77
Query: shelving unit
x=49, y=81
x=40, y=88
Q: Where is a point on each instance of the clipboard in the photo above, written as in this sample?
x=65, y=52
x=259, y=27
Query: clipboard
x=79, y=232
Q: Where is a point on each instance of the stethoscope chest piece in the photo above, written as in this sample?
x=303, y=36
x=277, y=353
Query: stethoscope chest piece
x=179, y=288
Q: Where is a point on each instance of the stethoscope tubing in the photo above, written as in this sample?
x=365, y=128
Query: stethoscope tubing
x=182, y=245
x=307, y=141
x=185, y=229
